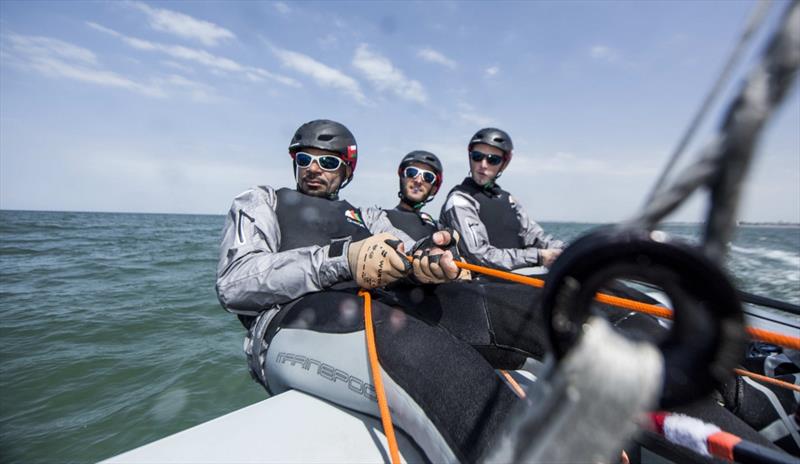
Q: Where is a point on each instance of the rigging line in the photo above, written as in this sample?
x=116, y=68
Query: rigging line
x=765, y=379
x=723, y=163
x=752, y=298
x=658, y=311
x=754, y=22
x=765, y=88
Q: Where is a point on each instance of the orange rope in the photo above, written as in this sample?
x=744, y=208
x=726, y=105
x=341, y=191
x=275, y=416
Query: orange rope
x=774, y=338
x=765, y=379
x=513, y=384
x=501, y=274
x=652, y=309
x=386, y=418
x=758, y=334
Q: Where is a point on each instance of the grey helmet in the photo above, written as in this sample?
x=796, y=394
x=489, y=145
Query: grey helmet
x=424, y=157
x=496, y=138
x=327, y=135
x=429, y=159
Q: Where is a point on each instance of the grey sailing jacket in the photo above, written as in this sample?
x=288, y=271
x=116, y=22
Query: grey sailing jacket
x=462, y=213
x=253, y=276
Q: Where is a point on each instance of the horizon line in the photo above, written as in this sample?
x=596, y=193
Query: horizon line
x=739, y=222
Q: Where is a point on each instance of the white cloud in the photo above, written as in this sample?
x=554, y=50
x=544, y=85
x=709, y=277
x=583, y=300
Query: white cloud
x=178, y=66
x=282, y=8
x=184, y=26
x=433, y=56
x=323, y=74
x=468, y=113
x=59, y=59
x=492, y=71
x=196, y=91
x=213, y=62
x=382, y=73
x=604, y=53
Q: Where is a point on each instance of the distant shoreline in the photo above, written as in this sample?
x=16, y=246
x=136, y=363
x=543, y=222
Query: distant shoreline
x=783, y=225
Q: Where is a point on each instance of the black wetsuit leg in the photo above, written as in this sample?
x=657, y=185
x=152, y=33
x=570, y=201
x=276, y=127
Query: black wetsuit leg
x=443, y=393
x=503, y=321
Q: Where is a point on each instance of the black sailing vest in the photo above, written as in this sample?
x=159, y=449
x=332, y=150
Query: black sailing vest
x=305, y=220
x=496, y=213
x=417, y=225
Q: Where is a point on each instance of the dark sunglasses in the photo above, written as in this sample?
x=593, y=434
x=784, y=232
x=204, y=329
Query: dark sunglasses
x=478, y=156
x=326, y=162
x=412, y=172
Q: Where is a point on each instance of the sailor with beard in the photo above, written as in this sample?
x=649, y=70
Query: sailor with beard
x=420, y=173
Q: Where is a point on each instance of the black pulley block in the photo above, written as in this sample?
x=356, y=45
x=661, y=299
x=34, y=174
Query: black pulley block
x=707, y=338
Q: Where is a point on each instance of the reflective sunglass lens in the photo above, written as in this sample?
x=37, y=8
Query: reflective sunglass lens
x=494, y=160
x=329, y=162
x=326, y=162
x=412, y=172
x=303, y=160
x=478, y=156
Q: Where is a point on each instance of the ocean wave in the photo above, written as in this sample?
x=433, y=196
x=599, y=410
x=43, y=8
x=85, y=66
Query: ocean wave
x=786, y=257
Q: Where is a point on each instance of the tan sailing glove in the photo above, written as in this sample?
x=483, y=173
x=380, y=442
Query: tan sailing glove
x=377, y=261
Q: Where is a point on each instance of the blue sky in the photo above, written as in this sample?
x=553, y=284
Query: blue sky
x=179, y=106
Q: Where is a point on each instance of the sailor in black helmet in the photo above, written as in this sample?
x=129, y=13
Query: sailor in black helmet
x=420, y=174
x=290, y=263
x=495, y=229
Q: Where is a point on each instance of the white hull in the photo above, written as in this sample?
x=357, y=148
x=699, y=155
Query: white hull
x=288, y=428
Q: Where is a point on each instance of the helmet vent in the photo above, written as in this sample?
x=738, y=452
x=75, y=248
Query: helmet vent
x=326, y=137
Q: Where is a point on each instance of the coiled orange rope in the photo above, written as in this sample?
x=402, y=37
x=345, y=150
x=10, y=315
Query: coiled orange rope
x=757, y=334
x=386, y=418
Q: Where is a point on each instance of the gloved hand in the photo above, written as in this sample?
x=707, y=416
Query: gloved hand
x=433, y=263
x=377, y=260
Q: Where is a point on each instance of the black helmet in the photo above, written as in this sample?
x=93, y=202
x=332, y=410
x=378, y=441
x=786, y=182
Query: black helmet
x=494, y=137
x=327, y=135
x=424, y=157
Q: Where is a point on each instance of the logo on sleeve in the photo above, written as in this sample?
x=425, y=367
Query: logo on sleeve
x=353, y=216
x=427, y=219
x=512, y=201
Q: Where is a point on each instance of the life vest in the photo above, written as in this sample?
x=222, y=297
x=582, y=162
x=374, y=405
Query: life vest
x=305, y=220
x=496, y=212
x=417, y=225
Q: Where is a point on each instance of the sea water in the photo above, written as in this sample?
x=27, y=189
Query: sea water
x=111, y=335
